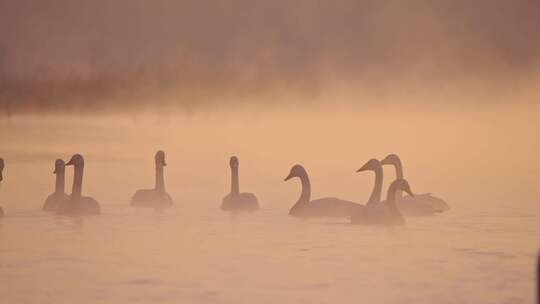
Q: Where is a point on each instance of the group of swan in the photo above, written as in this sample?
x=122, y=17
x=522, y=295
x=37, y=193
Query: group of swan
x=74, y=204
x=374, y=211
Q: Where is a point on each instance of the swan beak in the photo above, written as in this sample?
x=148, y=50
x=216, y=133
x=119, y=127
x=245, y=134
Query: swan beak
x=54, y=172
x=408, y=190
x=70, y=163
x=364, y=168
x=164, y=164
x=289, y=177
x=386, y=161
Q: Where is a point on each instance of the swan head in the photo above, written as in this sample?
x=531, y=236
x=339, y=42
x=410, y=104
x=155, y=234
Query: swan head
x=1, y=168
x=233, y=162
x=59, y=166
x=160, y=158
x=76, y=160
x=400, y=184
x=296, y=171
x=371, y=165
x=391, y=159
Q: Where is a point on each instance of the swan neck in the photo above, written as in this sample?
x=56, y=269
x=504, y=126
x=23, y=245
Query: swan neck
x=60, y=181
x=306, y=189
x=391, y=199
x=377, y=188
x=399, y=175
x=160, y=179
x=235, y=184
x=77, y=181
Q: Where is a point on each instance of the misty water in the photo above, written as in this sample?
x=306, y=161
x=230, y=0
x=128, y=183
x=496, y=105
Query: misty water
x=481, y=251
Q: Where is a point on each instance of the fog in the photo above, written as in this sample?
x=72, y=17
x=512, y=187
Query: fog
x=97, y=55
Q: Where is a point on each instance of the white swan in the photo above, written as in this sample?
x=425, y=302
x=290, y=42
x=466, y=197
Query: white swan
x=384, y=214
x=157, y=197
x=411, y=206
x=77, y=204
x=55, y=199
x=1, y=178
x=323, y=207
x=236, y=200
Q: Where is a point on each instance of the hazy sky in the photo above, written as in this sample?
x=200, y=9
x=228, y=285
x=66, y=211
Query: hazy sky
x=96, y=48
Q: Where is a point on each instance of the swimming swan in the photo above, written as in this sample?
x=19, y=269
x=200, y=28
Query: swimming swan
x=387, y=214
x=236, y=200
x=410, y=206
x=77, y=204
x=157, y=197
x=323, y=207
x=1, y=178
x=54, y=200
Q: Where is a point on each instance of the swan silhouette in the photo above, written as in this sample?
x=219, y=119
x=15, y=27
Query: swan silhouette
x=384, y=214
x=77, y=204
x=323, y=207
x=414, y=206
x=157, y=197
x=405, y=208
x=236, y=200
x=1, y=178
x=55, y=199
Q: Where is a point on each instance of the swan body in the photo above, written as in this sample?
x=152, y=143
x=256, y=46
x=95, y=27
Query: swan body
x=151, y=198
x=323, y=207
x=236, y=200
x=77, y=204
x=420, y=204
x=240, y=201
x=157, y=197
x=1, y=178
x=384, y=214
x=55, y=199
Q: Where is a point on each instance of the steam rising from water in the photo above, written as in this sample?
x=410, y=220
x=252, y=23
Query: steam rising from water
x=97, y=55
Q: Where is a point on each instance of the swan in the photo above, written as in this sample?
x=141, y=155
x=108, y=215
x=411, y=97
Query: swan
x=409, y=205
x=1, y=178
x=376, y=166
x=323, y=207
x=236, y=200
x=387, y=214
x=77, y=204
x=156, y=197
x=54, y=200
